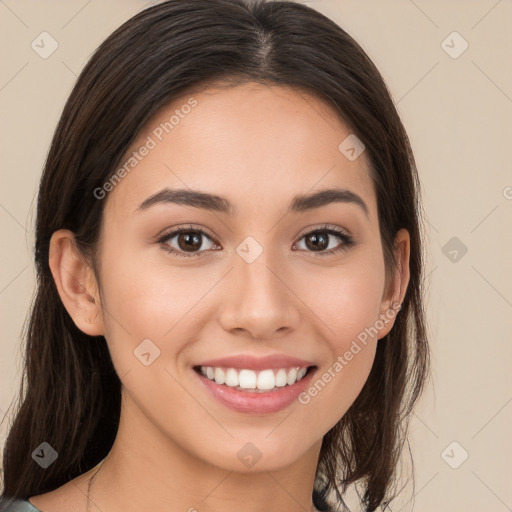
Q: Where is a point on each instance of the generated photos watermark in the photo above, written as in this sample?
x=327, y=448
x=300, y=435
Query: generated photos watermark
x=343, y=360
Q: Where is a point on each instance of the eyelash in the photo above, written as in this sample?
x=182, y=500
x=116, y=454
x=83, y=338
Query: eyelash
x=347, y=240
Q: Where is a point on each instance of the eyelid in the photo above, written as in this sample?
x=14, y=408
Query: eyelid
x=166, y=233
x=323, y=227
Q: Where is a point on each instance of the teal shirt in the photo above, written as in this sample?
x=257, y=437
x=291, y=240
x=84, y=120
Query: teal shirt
x=17, y=506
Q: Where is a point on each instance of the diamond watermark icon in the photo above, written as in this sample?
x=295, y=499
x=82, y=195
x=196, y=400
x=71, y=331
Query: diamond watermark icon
x=454, y=249
x=454, y=455
x=249, y=249
x=249, y=455
x=351, y=147
x=44, y=45
x=454, y=45
x=146, y=352
x=44, y=455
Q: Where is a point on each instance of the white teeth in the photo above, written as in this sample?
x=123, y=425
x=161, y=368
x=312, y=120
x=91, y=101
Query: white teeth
x=220, y=377
x=266, y=380
x=292, y=376
x=231, y=378
x=250, y=380
x=247, y=379
x=281, y=378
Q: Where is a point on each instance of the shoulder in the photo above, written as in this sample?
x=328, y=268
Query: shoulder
x=17, y=505
x=69, y=496
x=65, y=498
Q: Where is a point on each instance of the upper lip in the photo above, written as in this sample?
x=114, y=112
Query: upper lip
x=257, y=363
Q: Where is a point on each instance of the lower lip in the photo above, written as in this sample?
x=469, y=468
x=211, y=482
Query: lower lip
x=253, y=402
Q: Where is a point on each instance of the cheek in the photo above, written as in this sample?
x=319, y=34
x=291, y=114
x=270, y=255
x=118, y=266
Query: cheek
x=149, y=320
x=347, y=302
x=336, y=386
x=148, y=297
x=144, y=298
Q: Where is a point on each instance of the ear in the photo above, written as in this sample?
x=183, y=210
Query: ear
x=76, y=283
x=395, y=290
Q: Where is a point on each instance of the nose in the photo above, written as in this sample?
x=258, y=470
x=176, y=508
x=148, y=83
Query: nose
x=259, y=302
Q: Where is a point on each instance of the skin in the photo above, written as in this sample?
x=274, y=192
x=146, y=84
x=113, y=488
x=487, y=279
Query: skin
x=176, y=447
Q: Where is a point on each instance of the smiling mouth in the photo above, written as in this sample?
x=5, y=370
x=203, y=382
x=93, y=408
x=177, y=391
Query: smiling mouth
x=262, y=381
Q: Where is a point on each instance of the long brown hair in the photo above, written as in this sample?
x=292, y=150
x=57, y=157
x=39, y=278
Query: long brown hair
x=70, y=393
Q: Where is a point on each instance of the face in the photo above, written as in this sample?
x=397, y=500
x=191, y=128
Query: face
x=262, y=280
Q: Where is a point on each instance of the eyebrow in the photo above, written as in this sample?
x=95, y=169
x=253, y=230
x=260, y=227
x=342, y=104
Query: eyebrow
x=212, y=202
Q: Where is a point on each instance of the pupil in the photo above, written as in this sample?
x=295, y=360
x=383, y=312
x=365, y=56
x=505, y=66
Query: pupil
x=196, y=244
x=318, y=241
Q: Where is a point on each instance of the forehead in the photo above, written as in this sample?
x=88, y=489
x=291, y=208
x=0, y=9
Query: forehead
x=250, y=143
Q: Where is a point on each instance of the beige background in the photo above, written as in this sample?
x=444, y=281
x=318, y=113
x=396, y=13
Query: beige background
x=458, y=113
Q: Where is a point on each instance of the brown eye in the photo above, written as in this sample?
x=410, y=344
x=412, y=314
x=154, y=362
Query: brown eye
x=323, y=240
x=189, y=241
x=186, y=240
x=315, y=241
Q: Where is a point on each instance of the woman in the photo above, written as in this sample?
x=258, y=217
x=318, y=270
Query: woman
x=229, y=312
